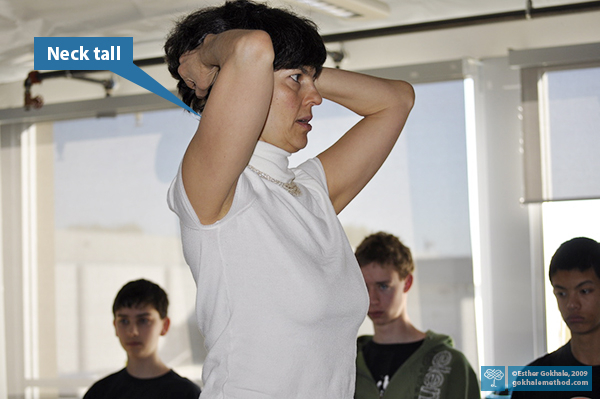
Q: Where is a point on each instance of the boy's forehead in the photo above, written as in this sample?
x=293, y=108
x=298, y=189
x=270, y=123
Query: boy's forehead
x=382, y=269
x=136, y=310
x=574, y=277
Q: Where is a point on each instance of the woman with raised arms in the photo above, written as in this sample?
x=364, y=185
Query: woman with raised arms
x=280, y=296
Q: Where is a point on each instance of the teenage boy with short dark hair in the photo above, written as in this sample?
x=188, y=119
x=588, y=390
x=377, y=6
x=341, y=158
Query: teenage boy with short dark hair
x=400, y=361
x=140, y=319
x=575, y=277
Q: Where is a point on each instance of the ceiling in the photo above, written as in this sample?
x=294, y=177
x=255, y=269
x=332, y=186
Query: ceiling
x=148, y=21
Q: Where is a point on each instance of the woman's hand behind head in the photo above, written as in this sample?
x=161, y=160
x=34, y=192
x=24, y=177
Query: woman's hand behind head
x=197, y=72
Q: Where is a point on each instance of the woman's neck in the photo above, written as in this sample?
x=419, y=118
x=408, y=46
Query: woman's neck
x=272, y=160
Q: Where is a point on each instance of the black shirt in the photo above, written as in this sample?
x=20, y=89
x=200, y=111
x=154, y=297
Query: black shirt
x=121, y=385
x=383, y=360
x=562, y=357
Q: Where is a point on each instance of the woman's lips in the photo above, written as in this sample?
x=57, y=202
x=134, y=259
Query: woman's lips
x=305, y=123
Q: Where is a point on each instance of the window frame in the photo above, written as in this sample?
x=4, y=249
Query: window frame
x=534, y=65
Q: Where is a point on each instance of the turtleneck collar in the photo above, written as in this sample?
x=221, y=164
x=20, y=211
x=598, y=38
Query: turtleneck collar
x=272, y=160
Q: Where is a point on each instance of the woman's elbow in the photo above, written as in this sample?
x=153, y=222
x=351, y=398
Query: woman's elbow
x=404, y=95
x=254, y=48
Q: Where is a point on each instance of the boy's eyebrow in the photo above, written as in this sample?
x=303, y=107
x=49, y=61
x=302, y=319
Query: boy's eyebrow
x=584, y=283
x=556, y=286
x=137, y=315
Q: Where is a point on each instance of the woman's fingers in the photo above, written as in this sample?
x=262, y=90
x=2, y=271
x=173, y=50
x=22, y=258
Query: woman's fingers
x=195, y=74
x=206, y=82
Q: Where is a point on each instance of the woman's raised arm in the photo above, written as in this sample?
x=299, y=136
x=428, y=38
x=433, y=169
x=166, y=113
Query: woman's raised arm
x=236, y=66
x=384, y=105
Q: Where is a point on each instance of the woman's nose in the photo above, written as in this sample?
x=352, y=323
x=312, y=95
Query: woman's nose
x=313, y=96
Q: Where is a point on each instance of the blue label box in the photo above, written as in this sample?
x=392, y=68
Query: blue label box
x=550, y=378
x=113, y=54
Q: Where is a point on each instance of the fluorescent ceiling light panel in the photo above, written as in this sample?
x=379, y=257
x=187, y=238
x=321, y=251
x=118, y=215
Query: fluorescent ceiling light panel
x=348, y=9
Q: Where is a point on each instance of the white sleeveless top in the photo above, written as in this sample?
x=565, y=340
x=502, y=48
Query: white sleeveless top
x=280, y=295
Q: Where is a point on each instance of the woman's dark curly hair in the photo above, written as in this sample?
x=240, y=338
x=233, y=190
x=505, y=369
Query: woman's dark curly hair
x=296, y=41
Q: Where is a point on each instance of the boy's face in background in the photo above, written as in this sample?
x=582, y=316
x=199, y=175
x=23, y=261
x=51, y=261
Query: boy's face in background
x=139, y=329
x=387, y=292
x=578, y=296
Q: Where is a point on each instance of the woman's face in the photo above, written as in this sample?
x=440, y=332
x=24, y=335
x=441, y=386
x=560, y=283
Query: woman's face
x=294, y=95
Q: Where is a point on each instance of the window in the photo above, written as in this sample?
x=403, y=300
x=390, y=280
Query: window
x=111, y=225
x=573, y=122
